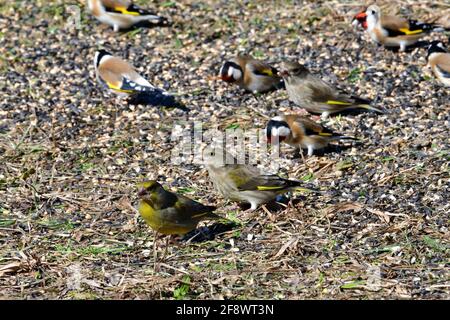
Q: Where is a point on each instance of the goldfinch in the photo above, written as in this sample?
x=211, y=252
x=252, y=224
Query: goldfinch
x=390, y=22
x=170, y=213
x=317, y=96
x=123, y=14
x=301, y=132
x=250, y=74
x=392, y=31
x=240, y=182
x=122, y=79
x=439, y=61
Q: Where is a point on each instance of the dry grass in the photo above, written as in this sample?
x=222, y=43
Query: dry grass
x=70, y=156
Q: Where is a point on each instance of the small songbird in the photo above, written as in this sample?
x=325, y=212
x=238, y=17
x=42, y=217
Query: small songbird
x=439, y=61
x=250, y=74
x=316, y=95
x=393, y=31
x=123, y=14
x=122, y=79
x=240, y=182
x=393, y=23
x=170, y=213
x=301, y=132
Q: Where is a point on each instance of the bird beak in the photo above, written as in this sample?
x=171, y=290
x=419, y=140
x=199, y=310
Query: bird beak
x=360, y=19
x=142, y=192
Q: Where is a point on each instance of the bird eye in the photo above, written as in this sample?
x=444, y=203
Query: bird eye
x=373, y=12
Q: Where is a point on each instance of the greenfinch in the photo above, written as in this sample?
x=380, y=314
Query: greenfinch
x=240, y=182
x=317, y=96
x=170, y=213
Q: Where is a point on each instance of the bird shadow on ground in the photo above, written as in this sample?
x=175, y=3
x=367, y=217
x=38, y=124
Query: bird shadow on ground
x=332, y=148
x=148, y=25
x=208, y=233
x=357, y=111
x=419, y=44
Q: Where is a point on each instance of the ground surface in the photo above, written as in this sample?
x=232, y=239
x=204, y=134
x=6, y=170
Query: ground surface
x=71, y=155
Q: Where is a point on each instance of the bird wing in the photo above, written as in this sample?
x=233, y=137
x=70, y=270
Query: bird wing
x=192, y=209
x=115, y=3
x=322, y=92
x=393, y=22
x=125, y=8
x=260, y=68
x=129, y=85
x=397, y=26
x=313, y=128
x=267, y=183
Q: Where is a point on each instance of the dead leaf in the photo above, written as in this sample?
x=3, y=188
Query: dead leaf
x=381, y=214
x=292, y=242
x=340, y=207
x=12, y=267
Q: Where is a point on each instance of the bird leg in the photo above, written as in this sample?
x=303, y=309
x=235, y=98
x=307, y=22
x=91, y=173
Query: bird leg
x=301, y=155
x=155, y=253
x=167, y=246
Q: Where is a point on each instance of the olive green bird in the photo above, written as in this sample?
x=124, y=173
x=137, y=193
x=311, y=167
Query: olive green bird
x=240, y=182
x=170, y=213
x=317, y=96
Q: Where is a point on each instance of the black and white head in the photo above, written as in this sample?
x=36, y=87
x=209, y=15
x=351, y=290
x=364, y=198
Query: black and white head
x=373, y=15
x=99, y=56
x=231, y=72
x=436, y=47
x=277, y=128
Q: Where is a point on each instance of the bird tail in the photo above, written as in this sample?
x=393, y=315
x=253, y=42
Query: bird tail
x=301, y=186
x=365, y=104
x=153, y=21
x=155, y=97
x=427, y=27
x=369, y=107
x=344, y=138
x=359, y=101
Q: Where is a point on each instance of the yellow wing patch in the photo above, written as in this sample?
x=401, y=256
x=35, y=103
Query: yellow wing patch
x=116, y=88
x=409, y=32
x=338, y=102
x=325, y=134
x=267, y=72
x=265, y=188
x=125, y=11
